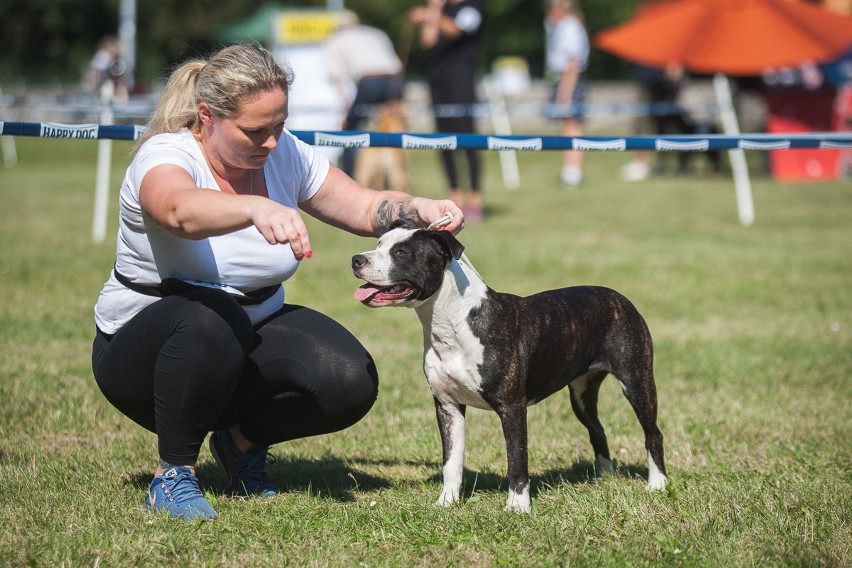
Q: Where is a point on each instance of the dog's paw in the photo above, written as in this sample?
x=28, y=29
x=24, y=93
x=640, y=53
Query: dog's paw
x=447, y=498
x=656, y=478
x=603, y=466
x=657, y=483
x=517, y=507
x=519, y=502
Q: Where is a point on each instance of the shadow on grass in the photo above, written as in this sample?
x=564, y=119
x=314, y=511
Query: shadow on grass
x=339, y=479
x=327, y=476
x=579, y=473
x=492, y=210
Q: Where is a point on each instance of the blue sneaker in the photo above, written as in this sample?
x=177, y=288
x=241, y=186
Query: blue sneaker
x=246, y=471
x=177, y=492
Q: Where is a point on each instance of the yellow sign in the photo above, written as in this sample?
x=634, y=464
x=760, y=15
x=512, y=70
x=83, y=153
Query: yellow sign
x=303, y=27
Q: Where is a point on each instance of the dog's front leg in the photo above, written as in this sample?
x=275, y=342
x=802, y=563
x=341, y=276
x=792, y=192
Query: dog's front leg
x=514, y=421
x=451, y=424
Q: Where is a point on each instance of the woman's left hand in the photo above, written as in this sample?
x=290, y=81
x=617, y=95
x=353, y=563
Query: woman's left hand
x=430, y=211
x=344, y=203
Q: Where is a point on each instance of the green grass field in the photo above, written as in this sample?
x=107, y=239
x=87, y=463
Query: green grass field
x=753, y=334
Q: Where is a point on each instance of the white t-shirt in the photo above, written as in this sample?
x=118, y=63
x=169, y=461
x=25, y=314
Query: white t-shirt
x=359, y=51
x=147, y=254
x=567, y=40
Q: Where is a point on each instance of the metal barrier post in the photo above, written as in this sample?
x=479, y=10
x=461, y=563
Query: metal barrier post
x=99, y=219
x=502, y=127
x=7, y=144
x=739, y=166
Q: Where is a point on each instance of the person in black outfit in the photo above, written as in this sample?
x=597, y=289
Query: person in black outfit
x=659, y=91
x=450, y=30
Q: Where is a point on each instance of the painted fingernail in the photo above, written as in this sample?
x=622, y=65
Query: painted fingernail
x=309, y=254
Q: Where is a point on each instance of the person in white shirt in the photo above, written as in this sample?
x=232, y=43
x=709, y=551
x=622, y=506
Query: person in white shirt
x=362, y=56
x=193, y=332
x=567, y=57
x=107, y=65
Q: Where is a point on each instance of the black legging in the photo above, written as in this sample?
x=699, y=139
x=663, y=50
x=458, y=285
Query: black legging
x=192, y=363
x=453, y=91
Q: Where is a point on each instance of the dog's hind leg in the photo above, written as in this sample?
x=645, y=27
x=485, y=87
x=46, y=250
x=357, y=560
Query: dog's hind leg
x=641, y=392
x=584, y=401
x=514, y=420
x=451, y=424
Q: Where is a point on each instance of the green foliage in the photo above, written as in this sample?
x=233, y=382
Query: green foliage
x=600, y=15
x=752, y=334
x=179, y=30
x=52, y=41
x=44, y=39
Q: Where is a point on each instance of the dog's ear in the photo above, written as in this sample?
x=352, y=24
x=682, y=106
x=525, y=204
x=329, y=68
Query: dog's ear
x=449, y=241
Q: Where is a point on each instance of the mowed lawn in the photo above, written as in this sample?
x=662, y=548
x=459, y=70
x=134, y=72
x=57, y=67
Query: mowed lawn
x=753, y=335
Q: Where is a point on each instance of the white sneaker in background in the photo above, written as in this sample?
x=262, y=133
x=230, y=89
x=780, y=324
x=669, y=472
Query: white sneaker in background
x=571, y=176
x=635, y=171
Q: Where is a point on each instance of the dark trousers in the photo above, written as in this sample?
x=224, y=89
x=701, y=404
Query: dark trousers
x=193, y=363
x=373, y=90
x=453, y=92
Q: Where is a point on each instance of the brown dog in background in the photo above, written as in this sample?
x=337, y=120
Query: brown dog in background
x=384, y=168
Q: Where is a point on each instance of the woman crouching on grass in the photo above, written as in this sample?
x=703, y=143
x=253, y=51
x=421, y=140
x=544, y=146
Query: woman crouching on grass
x=193, y=335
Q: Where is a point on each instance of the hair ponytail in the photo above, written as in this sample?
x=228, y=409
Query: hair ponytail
x=177, y=107
x=231, y=74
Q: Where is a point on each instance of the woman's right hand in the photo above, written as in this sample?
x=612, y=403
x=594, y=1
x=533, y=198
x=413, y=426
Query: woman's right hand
x=280, y=224
x=170, y=197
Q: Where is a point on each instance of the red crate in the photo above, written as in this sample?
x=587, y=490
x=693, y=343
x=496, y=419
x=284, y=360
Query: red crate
x=797, y=111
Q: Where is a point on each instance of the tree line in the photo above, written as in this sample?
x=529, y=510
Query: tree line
x=52, y=41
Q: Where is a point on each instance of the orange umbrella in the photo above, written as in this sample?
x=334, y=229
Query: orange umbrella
x=736, y=37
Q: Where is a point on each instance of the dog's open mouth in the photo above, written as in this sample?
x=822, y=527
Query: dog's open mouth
x=374, y=295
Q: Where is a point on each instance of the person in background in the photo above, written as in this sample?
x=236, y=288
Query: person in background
x=659, y=88
x=363, y=56
x=106, y=65
x=450, y=30
x=194, y=334
x=567, y=57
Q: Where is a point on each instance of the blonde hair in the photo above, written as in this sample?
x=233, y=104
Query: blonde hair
x=232, y=73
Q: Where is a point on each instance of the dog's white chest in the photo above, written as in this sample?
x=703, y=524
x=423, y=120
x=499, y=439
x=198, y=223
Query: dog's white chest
x=451, y=363
x=452, y=353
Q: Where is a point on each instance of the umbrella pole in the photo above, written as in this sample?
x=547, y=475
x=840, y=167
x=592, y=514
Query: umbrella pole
x=739, y=166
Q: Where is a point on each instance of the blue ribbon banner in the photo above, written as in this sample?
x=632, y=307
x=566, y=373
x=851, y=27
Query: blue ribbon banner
x=443, y=141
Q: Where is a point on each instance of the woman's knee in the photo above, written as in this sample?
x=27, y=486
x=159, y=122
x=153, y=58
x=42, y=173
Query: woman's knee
x=359, y=389
x=369, y=382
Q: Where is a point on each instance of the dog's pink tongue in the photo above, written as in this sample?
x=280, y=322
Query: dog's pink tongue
x=365, y=292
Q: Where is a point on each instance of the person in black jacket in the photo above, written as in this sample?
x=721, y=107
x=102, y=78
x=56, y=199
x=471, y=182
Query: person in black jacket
x=450, y=30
